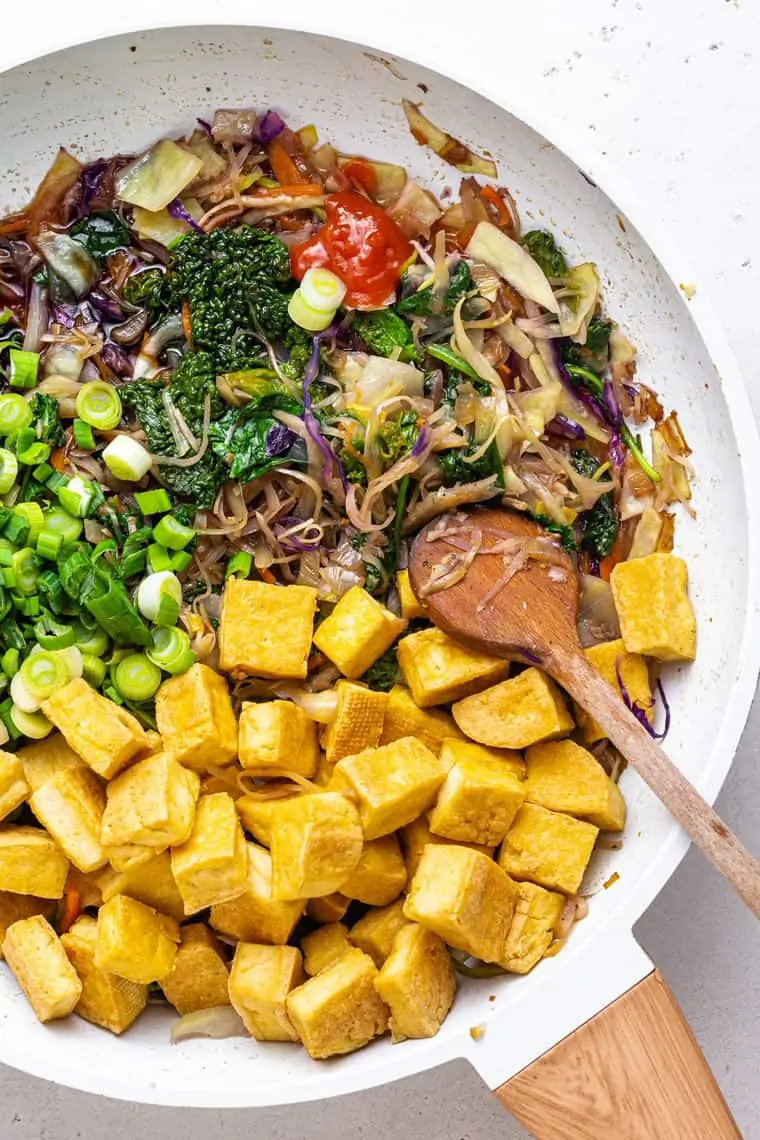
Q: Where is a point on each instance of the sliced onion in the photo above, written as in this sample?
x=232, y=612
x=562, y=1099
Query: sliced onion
x=219, y=1021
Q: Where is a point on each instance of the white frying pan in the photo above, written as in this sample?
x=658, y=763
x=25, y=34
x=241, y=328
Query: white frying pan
x=634, y=1070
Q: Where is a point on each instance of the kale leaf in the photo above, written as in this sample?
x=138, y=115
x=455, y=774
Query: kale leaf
x=426, y=303
x=384, y=673
x=542, y=247
x=456, y=470
x=595, y=353
x=46, y=421
x=251, y=440
x=384, y=331
x=599, y=525
x=101, y=234
x=397, y=436
x=564, y=532
x=151, y=289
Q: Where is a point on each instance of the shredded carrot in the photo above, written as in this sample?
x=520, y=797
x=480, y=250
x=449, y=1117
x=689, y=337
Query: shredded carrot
x=58, y=459
x=608, y=564
x=267, y=576
x=497, y=202
x=289, y=190
x=283, y=167
x=70, y=911
x=187, y=326
x=506, y=373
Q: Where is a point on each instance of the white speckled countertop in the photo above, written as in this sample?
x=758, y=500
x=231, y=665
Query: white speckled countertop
x=667, y=90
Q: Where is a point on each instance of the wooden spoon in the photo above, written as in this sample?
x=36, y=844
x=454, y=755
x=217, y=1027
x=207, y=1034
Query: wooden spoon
x=532, y=619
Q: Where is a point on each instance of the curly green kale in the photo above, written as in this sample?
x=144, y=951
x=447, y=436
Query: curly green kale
x=595, y=353
x=397, y=436
x=384, y=673
x=384, y=331
x=45, y=419
x=599, y=525
x=299, y=346
x=564, y=532
x=542, y=247
x=425, y=303
x=151, y=289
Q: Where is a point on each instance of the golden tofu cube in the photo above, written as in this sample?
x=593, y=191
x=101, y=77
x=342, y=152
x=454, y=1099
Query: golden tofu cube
x=394, y=783
x=316, y=843
x=324, y=946
x=260, y=981
x=330, y=908
x=277, y=735
x=106, y=736
x=212, y=865
x=256, y=916
x=417, y=983
x=607, y=658
x=565, y=777
x=256, y=817
x=152, y=804
x=358, y=721
x=465, y=898
x=357, y=632
x=265, y=630
x=656, y=616
x=14, y=907
x=508, y=759
x=107, y=1000
x=380, y=875
x=195, y=718
x=31, y=863
x=128, y=856
x=477, y=803
x=404, y=718
x=135, y=941
x=548, y=848
x=415, y=838
x=375, y=931
x=524, y=710
x=43, y=759
x=439, y=670
x=13, y=786
x=70, y=806
x=339, y=1010
x=34, y=953
x=151, y=882
x=199, y=977
x=532, y=931
x=411, y=607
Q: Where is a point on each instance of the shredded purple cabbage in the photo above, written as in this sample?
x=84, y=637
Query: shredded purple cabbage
x=279, y=440
x=421, y=441
x=106, y=305
x=177, y=210
x=530, y=656
x=611, y=401
x=64, y=315
x=332, y=463
x=565, y=428
x=91, y=181
x=640, y=711
x=294, y=541
x=268, y=127
x=119, y=361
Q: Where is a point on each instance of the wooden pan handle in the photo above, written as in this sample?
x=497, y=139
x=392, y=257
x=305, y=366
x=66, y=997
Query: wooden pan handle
x=634, y=1072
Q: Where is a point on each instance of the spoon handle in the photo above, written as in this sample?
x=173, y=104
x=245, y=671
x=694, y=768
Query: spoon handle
x=668, y=783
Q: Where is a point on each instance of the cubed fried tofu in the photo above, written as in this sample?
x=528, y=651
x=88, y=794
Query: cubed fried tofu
x=394, y=783
x=608, y=658
x=260, y=981
x=265, y=630
x=330, y=908
x=195, y=718
x=255, y=916
x=153, y=742
x=411, y=606
x=415, y=838
x=562, y=776
x=324, y=946
x=404, y=718
x=43, y=759
x=465, y=898
x=277, y=735
x=15, y=907
x=107, y=1000
x=151, y=882
x=358, y=721
x=126, y=857
x=152, y=804
x=70, y=806
x=339, y=1010
x=31, y=863
x=375, y=931
x=357, y=632
x=256, y=817
x=212, y=865
x=508, y=759
x=548, y=848
x=13, y=786
x=380, y=875
x=532, y=931
x=199, y=977
x=439, y=670
x=477, y=802
x=656, y=616
x=135, y=941
x=417, y=983
x=106, y=736
x=524, y=710
x=34, y=953
x=316, y=842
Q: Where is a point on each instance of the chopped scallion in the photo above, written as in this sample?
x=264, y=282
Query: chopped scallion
x=33, y=453
x=240, y=565
x=180, y=561
x=42, y=674
x=91, y=642
x=127, y=459
x=23, y=369
x=15, y=414
x=49, y=544
x=25, y=565
x=51, y=634
x=34, y=725
x=58, y=521
x=10, y=662
x=43, y=472
x=99, y=405
x=159, y=597
x=156, y=502
x=8, y=470
x=113, y=695
x=93, y=670
x=83, y=436
x=77, y=496
x=172, y=533
x=32, y=514
x=158, y=558
x=171, y=651
x=136, y=677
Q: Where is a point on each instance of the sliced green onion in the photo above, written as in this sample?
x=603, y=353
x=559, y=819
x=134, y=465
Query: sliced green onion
x=155, y=502
x=27, y=605
x=133, y=563
x=51, y=592
x=32, y=514
x=24, y=367
x=6, y=315
x=8, y=470
x=72, y=659
x=93, y=670
x=51, y=634
x=169, y=532
x=108, y=602
x=7, y=550
x=83, y=436
x=240, y=565
x=34, y=725
x=158, y=558
x=55, y=481
x=321, y=290
x=13, y=635
x=10, y=662
x=15, y=413
x=16, y=529
x=127, y=459
x=49, y=544
x=26, y=568
x=59, y=521
x=171, y=651
x=42, y=674
x=77, y=495
x=21, y=695
x=180, y=561
x=137, y=678
x=43, y=472
x=113, y=695
x=33, y=453
x=159, y=597
x=99, y=405
x=91, y=642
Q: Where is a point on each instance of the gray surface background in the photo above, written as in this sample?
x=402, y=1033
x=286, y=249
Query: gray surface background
x=668, y=90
